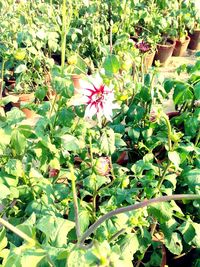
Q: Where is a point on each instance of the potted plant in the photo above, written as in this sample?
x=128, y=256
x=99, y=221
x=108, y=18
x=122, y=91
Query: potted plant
x=194, y=26
x=183, y=18
x=156, y=22
x=147, y=49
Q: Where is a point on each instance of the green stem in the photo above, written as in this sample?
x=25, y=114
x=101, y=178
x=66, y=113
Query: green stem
x=17, y=232
x=112, y=238
x=140, y=205
x=163, y=175
x=53, y=105
x=92, y=165
x=63, y=34
x=197, y=138
x=75, y=200
x=169, y=128
x=2, y=74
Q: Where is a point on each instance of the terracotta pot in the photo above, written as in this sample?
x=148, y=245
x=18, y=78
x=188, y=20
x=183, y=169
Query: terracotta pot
x=25, y=99
x=181, y=47
x=28, y=112
x=194, y=40
x=164, y=52
x=76, y=81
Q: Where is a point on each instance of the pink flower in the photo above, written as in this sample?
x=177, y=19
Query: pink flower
x=97, y=97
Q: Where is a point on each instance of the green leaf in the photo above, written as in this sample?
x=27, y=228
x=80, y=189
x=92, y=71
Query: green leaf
x=5, y=191
x=4, y=140
x=182, y=94
x=188, y=231
x=94, y=181
x=3, y=239
x=107, y=142
x=14, y=116
x=129, y=246
x=18, y=142
x=28, y=226
x=191, y=126
x=21, y=68
x=162, y=211
x=13, y=259
x=14, y=167
x=118, y=140
x=76, y=256
x=134, y=133
x=84, y=216
x=174, y=158
x=111, y=65
x=192, y=178
x=32, y=257
x=10, y=98
x=55, y=229
x=197, y=91
x=70, y=143
x=174, y=243
x=168, y=85
x=191, y=233
x=135, y=113
x=8, y=180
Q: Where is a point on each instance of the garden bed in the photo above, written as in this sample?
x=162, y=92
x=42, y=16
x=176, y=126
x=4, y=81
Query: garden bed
x=105, y=168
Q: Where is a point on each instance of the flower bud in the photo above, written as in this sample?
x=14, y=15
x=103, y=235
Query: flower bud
x=102, y=166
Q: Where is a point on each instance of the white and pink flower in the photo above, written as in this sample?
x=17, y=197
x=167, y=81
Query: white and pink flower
x=97, y=97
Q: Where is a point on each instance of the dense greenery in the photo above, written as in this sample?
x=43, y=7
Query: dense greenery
x=79, y=191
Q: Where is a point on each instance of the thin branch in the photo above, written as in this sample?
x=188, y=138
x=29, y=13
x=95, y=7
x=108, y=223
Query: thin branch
x=17, y=232
x=140, y=205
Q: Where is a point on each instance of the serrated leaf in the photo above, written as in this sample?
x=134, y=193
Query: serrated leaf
x=129, y=246
x=162, y=211
x=14, y=167
x=188, y=231
x=18, y=142
x=94, y=182
x=55, y=229
x=70, y=142
x=107, y=142
x=191, y=233
x=174, y=243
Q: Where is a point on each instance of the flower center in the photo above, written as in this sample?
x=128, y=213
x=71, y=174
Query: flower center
x=97, y=96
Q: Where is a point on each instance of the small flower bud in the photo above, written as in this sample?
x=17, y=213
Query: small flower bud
x=102, y=166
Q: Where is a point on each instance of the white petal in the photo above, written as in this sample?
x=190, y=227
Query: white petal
x=86, y=85
x=90, y=111
x=107, y=112
x=96, y=80
x=115, y=106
